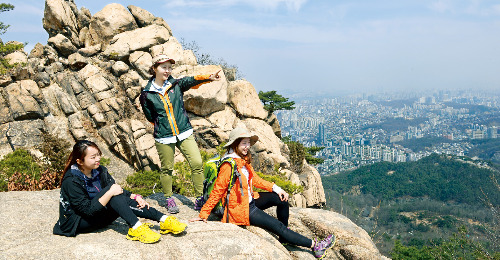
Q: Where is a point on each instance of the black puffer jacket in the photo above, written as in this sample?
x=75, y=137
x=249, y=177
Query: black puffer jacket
x=75, y=203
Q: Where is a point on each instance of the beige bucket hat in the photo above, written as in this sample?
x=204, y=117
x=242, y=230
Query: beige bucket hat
x=239, y=132
x=161, y=58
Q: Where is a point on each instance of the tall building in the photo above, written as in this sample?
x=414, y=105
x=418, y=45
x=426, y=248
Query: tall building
x=321, y=134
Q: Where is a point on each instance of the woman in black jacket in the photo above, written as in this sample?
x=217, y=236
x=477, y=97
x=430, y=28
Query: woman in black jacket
x=90, y=199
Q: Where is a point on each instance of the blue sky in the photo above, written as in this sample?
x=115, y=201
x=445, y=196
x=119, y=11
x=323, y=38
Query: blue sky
x=325, y=46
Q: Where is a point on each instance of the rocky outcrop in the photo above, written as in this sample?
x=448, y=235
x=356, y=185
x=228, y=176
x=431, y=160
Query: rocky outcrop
x=86, y=80
x=27, y=234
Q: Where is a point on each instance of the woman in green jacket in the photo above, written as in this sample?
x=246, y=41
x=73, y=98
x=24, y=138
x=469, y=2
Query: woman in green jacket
x=163, y=105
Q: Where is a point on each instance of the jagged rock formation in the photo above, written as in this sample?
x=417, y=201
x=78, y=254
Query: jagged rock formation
x=85, y=83
x=28, y=218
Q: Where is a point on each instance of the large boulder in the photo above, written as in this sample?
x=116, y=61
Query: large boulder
x=314, y=193
x=110, y=21
x=245, y=100
x=59, y=102
x=58, y=126
x=5, y=146
x=25, y=133
x=173, y=49
x=37, y=51
x=209, y=97
x=352, y=241
x=141, y=61
x=62, y=44
x=16, y=57
x=142, y=17
x=27, y=229
x=22, y=102
x=5, y=115
x=223, y=119
x=272, y=120
x=267, y=139
x=59, y=18
x=139, y=39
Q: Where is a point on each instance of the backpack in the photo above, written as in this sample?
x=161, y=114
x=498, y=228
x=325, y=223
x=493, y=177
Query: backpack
x=211, y=172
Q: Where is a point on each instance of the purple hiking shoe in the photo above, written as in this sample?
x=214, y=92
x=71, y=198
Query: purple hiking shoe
x=171, y=206
x=198, y=203
x=320, y=248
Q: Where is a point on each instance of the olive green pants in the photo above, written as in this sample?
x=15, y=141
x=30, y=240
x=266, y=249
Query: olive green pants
x=189, y=149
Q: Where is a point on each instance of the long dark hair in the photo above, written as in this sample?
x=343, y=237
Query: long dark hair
x=234, y=146
x=79, y=152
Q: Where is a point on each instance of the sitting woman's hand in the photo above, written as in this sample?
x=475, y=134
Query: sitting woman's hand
x=283, y=195
x=115, y=189
x=214, y=77
x=198, y=219
x=141, y=202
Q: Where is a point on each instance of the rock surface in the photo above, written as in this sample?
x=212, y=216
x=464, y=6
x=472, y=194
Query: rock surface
x=27, y=234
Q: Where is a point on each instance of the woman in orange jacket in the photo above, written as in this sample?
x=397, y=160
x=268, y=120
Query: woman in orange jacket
x=245, y=207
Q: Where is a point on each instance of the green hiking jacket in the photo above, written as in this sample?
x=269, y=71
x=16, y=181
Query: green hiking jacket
x=167, y=111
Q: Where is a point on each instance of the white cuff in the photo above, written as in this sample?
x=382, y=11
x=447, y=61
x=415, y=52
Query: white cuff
x=277, y=189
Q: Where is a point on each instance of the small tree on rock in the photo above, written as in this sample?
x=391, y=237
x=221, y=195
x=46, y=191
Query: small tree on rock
x=273, y=101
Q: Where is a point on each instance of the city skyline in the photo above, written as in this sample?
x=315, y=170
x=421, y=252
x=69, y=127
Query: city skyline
x=358, y=130
x=340, y=47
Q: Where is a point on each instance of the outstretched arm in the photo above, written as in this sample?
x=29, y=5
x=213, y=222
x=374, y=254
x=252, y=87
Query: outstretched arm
x=195, y=82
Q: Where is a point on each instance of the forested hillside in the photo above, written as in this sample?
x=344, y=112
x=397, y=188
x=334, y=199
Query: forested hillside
x=420, y=203
x=436, y=177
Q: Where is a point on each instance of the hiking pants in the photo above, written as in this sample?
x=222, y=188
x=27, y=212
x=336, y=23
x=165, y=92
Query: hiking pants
x=118, y=206
x=189, y=148
x=278, y=226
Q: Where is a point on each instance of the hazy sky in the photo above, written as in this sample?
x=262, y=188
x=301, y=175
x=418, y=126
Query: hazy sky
x=335, y=46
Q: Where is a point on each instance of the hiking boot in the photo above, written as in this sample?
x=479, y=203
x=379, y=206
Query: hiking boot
x=320, y=248
x=172, y=225
x=144, y=234
x=198, y=203
x=171, y=206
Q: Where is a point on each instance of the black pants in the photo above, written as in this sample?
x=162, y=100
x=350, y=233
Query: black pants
x=278, y=226
x=118, y=206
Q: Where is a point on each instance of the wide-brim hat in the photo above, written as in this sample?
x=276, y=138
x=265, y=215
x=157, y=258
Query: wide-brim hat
x=162, y=58
x=239, y=132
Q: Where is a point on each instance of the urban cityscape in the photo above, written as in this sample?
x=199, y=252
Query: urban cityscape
x=362, y=129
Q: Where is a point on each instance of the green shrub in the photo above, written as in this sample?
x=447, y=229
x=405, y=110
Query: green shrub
x=142, y=182
x=279, y=179
x=20, y=161
x=20, y=171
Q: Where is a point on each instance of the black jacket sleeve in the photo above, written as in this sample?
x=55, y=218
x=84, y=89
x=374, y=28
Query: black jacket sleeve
x=80, y=200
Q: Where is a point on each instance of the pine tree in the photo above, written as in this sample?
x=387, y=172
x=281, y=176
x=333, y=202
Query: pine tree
x=274, y=102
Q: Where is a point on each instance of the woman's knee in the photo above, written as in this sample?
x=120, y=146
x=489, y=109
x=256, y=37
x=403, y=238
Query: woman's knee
x=118, y=200
x=196, y=162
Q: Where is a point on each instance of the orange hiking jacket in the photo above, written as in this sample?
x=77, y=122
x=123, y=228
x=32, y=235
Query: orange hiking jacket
x=238, y=205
